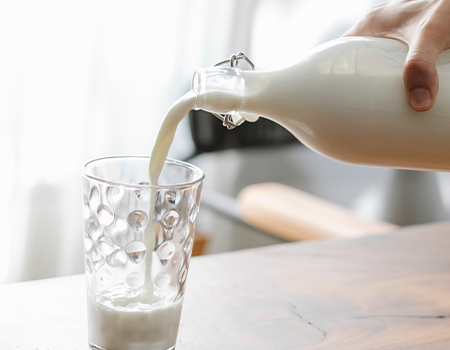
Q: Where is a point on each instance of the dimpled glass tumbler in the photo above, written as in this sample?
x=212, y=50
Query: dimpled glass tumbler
x=138, y=241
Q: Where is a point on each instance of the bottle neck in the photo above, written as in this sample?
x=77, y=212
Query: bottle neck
x=223, y=90
x=218, y=89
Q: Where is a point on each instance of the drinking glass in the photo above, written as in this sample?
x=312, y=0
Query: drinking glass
x=138, y=241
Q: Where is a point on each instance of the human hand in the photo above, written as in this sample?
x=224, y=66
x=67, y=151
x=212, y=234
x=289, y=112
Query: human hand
x=425, y=26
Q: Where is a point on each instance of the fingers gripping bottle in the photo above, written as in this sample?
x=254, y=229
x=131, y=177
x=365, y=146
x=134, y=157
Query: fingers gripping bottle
x=344, y=100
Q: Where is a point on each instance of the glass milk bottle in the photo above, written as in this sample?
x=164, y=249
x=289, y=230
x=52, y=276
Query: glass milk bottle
x=345, y=100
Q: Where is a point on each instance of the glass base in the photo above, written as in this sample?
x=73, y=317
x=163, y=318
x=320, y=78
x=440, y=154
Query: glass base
x=96, y=347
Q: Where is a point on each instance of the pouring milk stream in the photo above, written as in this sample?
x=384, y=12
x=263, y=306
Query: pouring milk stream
x=345, y=100
x=120, y=319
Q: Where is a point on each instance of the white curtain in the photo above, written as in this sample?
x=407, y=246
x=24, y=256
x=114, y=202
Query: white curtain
x=85, y=79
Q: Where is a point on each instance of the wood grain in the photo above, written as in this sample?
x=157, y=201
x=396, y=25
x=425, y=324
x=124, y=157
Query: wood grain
x=380, y=292
x=295, y=215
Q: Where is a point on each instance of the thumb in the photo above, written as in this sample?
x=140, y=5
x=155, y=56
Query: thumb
x=420, y=75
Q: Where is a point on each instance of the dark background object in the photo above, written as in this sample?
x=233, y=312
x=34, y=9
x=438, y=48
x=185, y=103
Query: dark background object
x=210, y=135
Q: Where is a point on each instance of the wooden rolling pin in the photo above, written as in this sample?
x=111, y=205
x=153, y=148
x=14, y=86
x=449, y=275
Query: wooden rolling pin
x=295, y=215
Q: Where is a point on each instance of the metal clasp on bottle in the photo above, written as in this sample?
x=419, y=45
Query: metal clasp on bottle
x=230, y=121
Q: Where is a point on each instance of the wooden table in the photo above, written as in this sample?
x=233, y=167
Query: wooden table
x=380, y=292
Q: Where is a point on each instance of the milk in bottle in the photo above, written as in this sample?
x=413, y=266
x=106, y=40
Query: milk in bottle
x=345, y=100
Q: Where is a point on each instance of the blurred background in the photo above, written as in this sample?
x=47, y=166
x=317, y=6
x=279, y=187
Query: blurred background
x=86, y=79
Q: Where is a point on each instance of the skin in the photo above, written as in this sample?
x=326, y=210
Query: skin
x=422, y=24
